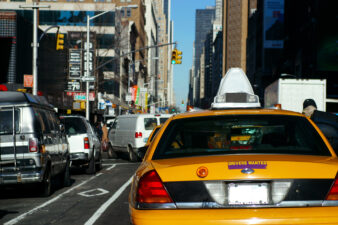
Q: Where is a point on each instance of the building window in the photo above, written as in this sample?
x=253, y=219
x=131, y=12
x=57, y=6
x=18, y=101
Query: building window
x=128, y=12
x=105, y=41
x=122, y=12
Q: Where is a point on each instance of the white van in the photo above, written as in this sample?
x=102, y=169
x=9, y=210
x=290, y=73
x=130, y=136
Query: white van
x=129, y=133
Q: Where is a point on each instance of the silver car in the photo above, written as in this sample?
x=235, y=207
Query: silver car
x=33, y=145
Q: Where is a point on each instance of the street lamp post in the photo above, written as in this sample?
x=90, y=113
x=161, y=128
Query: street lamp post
x=35, y=43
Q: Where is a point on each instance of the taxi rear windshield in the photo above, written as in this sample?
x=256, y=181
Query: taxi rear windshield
x=240, y=134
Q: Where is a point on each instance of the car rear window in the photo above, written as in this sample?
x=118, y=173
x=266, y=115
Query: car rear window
x=74, y=125
x=150, y=123
x=6, y=121
x=240, y=134
x=154, y=133
x=163, y=119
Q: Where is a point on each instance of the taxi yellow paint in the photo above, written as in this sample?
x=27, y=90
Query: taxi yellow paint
x=268, y=216
x=219, y=168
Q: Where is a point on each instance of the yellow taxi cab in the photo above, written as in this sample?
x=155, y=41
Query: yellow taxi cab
x=236, y=164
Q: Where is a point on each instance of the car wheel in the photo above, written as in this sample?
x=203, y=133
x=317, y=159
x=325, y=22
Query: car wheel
x=91, y=166
x=132, y=155
x=111, y=153
x=46, y=185
x=66, y=175
x=99, y=163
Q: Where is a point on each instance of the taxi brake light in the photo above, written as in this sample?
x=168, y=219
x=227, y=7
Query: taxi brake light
x=333, y=194
x=86, y=143
x=151, y=189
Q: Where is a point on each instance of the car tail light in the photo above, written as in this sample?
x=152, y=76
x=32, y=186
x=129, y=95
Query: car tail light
x=86, y=143
x=151, y=189
x=33, y=145
x=138, y=134
x=333, y=194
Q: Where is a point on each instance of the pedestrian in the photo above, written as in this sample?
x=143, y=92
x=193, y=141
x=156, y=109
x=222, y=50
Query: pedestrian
x=105, y=140
x=327, y=122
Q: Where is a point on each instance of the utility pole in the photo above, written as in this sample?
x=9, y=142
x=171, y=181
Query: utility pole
x=35, y=43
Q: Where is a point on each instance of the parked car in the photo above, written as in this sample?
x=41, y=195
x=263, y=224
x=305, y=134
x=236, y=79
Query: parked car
x=84, y=145
x=129, y=133
x=236, y=163
x=33, y=144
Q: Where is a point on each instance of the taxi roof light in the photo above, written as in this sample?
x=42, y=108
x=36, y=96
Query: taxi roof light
x=235, y=91
x=151, y=189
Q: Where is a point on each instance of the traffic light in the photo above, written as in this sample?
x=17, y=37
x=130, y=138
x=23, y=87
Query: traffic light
x=173, y=56
x=178, y=57
x=60, y=41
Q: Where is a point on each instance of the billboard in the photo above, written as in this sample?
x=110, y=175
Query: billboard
x=273, y=26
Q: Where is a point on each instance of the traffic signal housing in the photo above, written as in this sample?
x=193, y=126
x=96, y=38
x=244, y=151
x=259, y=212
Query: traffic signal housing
x=178, y=57
x=173, y=56
x=60, y=41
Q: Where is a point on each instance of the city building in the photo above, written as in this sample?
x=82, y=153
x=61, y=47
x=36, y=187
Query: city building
x=105, y=59
x=203, y=24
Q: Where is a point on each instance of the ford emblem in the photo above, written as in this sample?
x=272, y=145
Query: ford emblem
x=247, y=171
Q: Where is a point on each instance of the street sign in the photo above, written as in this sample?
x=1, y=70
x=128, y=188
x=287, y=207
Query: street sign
x=143, y=90
x=81, y=96
x=28, y=80
x=128, y=98
x=75, y=61
x=88, y=79
x=73, y=85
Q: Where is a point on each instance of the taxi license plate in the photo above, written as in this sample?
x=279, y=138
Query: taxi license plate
x=248, y=193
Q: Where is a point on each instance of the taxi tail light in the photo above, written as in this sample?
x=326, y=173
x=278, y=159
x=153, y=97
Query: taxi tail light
x=86, y=143
x=333, y=193
x=138, y=134
x=33, y=145
x=151, y=189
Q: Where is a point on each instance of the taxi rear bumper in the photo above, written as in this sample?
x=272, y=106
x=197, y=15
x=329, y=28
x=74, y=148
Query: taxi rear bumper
x=294, y=216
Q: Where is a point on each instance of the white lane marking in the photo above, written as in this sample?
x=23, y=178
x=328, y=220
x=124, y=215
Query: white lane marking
x=111, y=167
x=22, y=216
x=103, y=207
x=93, y=192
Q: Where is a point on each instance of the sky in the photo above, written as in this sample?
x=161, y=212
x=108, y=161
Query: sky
x=183, y=15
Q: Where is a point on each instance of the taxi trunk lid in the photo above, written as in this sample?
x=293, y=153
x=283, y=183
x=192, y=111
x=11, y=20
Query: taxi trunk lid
x=276, y=181
x=263, y=166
